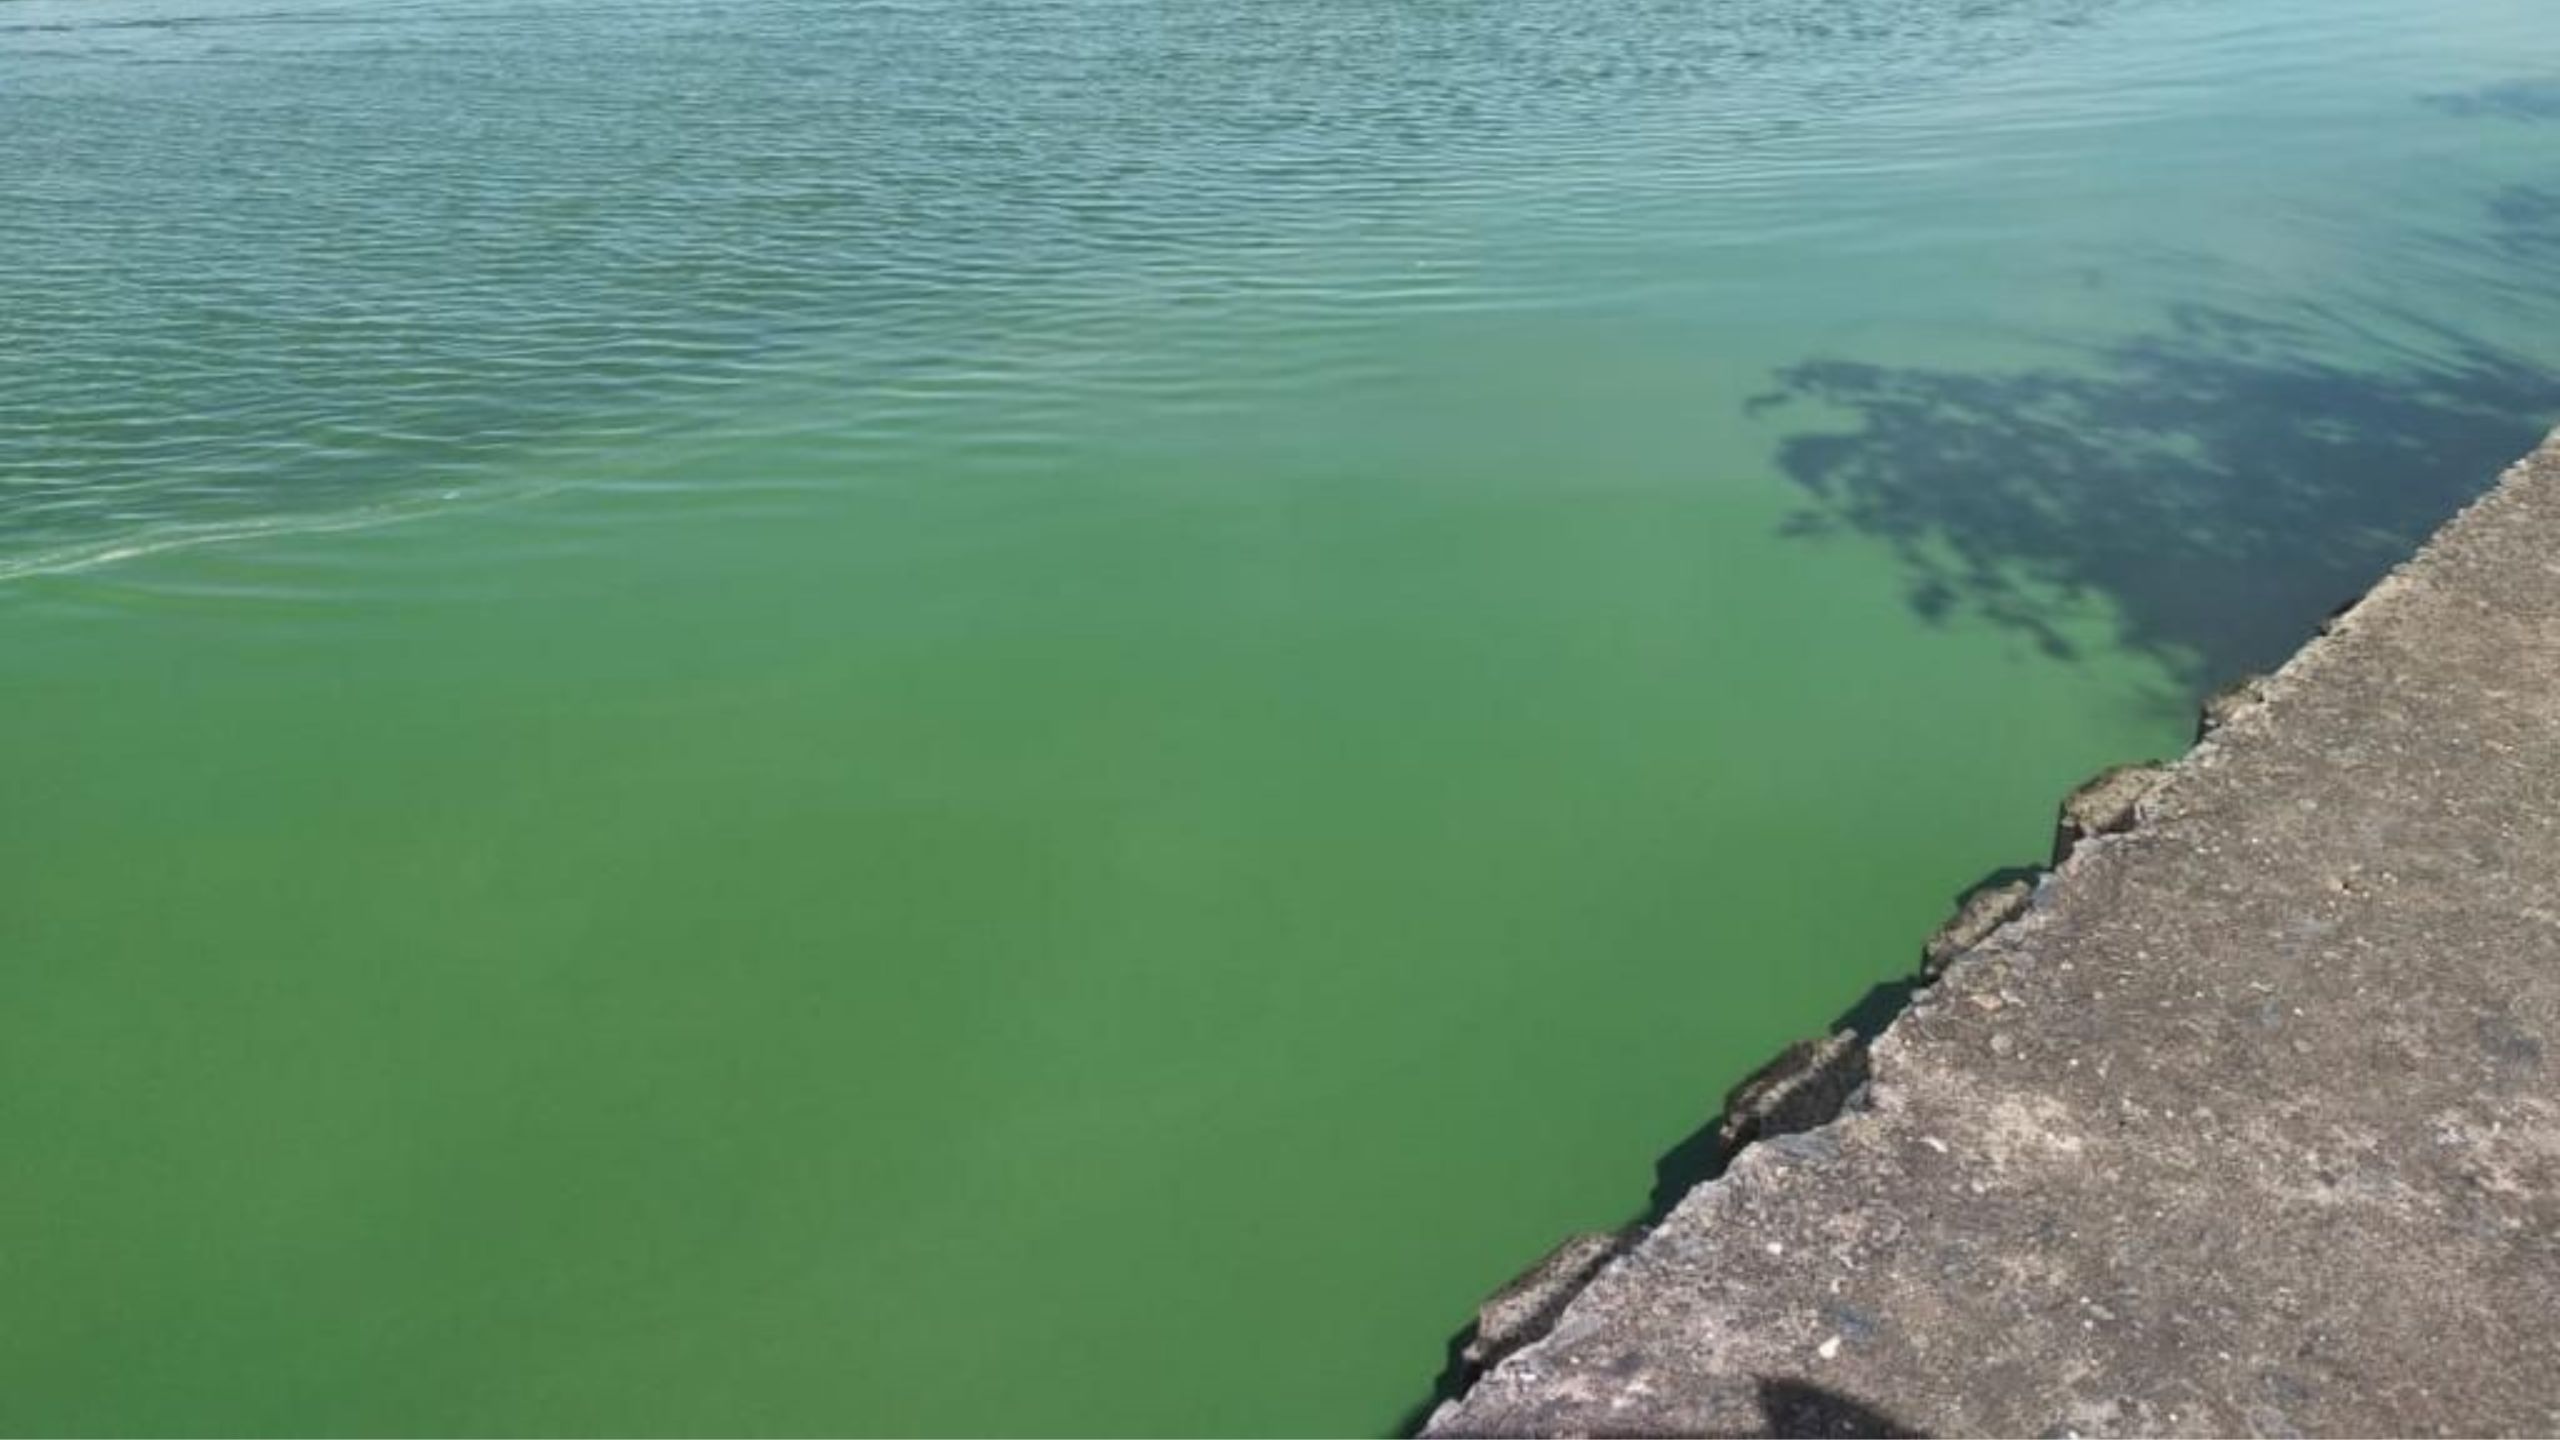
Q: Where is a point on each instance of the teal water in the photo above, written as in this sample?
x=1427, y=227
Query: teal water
x=1048, y=717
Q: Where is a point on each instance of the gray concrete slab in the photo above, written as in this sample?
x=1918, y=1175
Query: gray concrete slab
x=2250, y=1124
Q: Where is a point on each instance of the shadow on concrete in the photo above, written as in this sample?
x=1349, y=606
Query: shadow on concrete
x=1792, y=1407
x=2220, y=481
x=1789, y=1407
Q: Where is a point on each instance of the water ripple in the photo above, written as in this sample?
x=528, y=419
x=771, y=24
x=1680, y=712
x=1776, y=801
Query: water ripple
x=286, y=263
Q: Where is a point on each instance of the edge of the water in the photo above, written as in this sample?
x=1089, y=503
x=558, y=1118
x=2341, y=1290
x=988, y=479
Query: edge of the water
x=1816, y=1081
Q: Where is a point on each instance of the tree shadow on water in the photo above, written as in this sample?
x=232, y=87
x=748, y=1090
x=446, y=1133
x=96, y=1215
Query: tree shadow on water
x=2525, y=222
x=2531, y=98
x=2221, y=480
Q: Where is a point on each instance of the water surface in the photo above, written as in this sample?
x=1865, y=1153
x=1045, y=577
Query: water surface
x=1060, y=717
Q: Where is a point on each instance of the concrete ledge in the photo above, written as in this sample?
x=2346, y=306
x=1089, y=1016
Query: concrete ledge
x=2248, y=1124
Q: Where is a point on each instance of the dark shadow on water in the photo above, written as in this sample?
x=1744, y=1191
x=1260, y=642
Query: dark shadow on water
x=1452, y=1381
x=2525, y=222
x=2224, y=480
x=1699, y=1157
x=1702, y=1156
x=2537, y=98
x=2005, y=875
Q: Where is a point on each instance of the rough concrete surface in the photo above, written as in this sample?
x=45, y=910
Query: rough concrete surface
x=1804, y=1087
x=1977, y=918
x=2105, y=803
x=2250, y=1124
x=1527, y=1307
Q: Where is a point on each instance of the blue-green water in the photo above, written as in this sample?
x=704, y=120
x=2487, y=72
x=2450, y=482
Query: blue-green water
x=965, y=717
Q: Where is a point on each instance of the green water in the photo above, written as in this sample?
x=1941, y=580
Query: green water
x=801, y=717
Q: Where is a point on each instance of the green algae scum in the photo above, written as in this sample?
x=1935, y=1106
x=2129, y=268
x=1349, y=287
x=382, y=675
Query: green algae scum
x=1028, y=717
